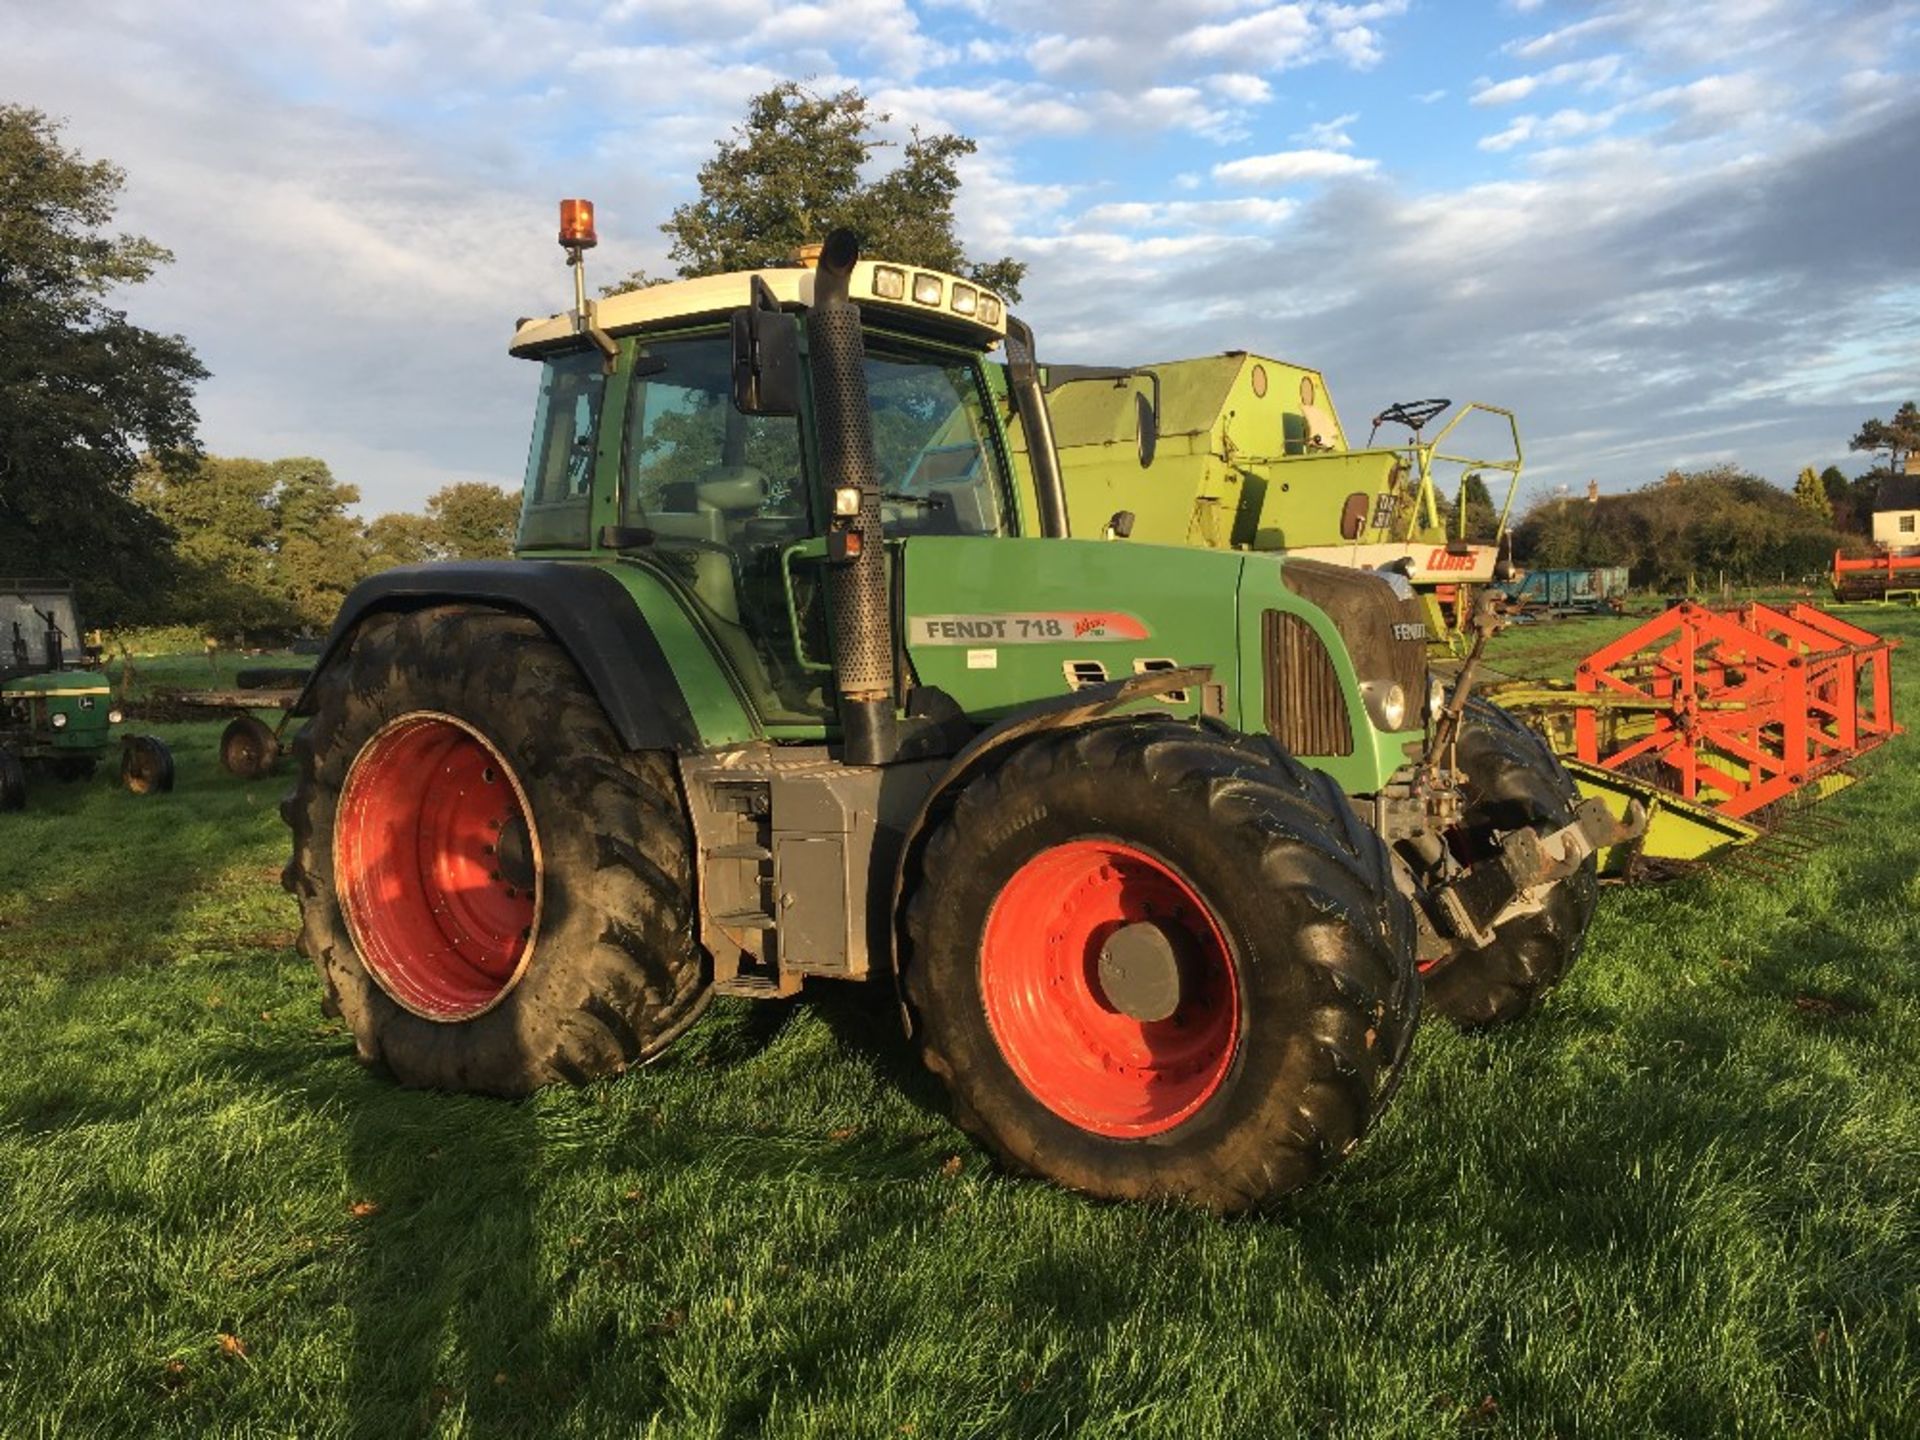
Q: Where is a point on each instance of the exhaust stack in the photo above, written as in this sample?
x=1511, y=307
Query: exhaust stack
x=856, y=549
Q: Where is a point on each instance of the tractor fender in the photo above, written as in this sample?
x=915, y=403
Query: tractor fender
x=583, y=607
x=1058, y=712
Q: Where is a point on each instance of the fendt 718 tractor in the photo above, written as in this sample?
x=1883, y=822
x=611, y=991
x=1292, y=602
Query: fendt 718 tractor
x=55, y=716
x=793, y=679
x=1241, y=451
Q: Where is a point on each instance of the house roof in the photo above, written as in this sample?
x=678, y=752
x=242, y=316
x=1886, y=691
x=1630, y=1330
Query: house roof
x=1898, y=492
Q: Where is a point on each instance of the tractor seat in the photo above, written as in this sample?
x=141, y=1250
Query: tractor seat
x=731, y=488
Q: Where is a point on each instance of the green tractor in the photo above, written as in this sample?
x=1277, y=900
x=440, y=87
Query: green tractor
x=796, y=677
x=55, y=716
x=1241, y=451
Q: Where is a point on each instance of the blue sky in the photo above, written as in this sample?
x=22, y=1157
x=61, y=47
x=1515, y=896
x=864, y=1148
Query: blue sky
x=1665, y=234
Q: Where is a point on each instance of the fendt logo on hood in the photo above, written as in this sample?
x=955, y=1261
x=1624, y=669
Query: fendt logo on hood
x=1039, y=627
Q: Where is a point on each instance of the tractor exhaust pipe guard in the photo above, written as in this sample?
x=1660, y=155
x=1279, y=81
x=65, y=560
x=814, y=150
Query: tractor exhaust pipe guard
x=856, y=547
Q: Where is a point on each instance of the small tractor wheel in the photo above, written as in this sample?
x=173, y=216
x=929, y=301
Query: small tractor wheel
x=75, y=767
x=1512, y=781
x=1150, y=961
x=13, y=781
x=248, y=747
x=146, y=765
x=496, y=893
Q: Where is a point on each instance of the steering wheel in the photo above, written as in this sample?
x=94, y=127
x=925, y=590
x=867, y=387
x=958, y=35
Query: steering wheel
x=1414, y=414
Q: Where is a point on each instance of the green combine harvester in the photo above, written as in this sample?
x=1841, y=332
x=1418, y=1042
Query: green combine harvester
x=1239, y=451
x=799, y=676
x=56, y=717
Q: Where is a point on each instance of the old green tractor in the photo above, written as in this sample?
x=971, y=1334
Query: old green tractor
x=1240, y=451
x=797, y=677
x=56, y=715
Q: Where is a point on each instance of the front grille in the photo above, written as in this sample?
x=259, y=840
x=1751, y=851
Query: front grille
x=1385, y=636
x=1306, y=708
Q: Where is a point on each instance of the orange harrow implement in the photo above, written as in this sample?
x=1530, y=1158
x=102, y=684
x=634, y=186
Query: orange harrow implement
x=1875, y=577
x=1710, y=718
x=1737, y=708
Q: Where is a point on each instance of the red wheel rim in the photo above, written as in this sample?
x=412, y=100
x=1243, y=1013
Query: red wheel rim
x=1072, y=1047
x=428, y=817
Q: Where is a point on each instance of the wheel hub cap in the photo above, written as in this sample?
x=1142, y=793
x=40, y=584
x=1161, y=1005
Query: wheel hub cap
x=1110, y=988
x=1140, y=970
x=437, y=867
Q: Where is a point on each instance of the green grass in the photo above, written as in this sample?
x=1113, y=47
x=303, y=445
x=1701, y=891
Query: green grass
x=1681, y=1201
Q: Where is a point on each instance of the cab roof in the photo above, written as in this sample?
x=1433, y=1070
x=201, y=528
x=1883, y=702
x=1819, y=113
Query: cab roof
x=883, y=286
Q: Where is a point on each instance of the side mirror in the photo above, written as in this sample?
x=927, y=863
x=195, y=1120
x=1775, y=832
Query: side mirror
x=766, y=356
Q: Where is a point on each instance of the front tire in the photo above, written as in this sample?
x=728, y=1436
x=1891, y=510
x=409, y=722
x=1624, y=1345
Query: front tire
x=497, y=895
x=1264, y=1004
x=146, y=765
x=1513, y=781
x=248, y=748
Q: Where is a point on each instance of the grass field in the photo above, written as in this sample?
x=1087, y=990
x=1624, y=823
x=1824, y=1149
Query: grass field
x=1684, y=1200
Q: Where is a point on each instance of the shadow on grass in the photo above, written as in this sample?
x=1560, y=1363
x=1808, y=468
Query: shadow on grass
x=448, y=1313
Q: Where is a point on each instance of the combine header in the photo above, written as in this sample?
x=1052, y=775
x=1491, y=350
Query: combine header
x=1714, y=718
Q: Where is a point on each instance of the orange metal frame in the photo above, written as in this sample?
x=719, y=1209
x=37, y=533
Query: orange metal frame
x=1869, y=577
x=1743, y=706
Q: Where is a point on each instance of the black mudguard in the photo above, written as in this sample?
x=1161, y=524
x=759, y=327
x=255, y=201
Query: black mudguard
x=586, y=610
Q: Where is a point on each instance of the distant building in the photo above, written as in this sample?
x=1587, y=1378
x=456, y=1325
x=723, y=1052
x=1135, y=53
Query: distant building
x=1896, y=511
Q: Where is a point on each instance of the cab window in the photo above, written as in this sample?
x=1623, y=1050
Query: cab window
x=939, y=470
x=557, y=507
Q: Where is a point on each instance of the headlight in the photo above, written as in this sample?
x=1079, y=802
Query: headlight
x=58, y=720
x=114, y=717
x=1387, y=702
x=1436, y=697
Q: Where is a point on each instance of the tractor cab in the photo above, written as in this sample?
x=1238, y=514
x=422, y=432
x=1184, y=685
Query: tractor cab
x=643, y=450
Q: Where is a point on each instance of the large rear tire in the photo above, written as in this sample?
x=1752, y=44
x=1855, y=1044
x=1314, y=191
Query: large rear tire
x=497, y=895
x=1150, y=961
x=1512, y=781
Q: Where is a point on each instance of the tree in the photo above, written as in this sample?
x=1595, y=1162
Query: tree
x=1811, y=492
x=82, y=390
x=472, y=520
x=797, y=168
x=1898, y=438
x=264, y=545
x=400, y=540
x=468, y=520
x=1688, y=524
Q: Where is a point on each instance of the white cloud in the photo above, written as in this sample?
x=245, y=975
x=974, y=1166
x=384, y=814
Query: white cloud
x=1271, y=39
x=1243, y=89
x=1288, y=167
x=1218, y=215
x=1329, y=134
x=1562, y=125
x=1584, y=74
